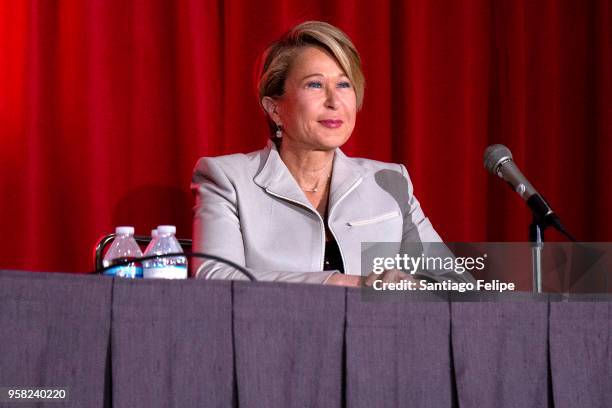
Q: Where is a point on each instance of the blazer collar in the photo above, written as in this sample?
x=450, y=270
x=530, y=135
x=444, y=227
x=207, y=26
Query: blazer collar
x=276, y=179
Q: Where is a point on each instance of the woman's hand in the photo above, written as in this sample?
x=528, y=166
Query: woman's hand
x=387, y=276
x=339, y=279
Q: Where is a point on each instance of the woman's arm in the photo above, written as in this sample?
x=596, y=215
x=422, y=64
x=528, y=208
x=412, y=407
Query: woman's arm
x=419, y=234
x=217, y=230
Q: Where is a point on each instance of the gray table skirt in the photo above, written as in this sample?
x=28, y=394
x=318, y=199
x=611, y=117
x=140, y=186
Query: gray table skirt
x=154, y=343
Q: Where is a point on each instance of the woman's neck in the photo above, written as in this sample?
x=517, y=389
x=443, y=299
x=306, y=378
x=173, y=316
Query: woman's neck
x=310, y=168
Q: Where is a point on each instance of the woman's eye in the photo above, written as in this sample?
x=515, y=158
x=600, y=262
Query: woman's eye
x=314, y=84
x=344, y=85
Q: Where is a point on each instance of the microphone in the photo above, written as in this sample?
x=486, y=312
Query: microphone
x=498, y=161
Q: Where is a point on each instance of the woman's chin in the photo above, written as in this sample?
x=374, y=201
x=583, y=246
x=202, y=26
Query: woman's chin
x=320, y=143
x=331, y=141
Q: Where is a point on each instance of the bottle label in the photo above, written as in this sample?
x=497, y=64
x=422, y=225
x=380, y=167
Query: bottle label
x=125, y=271
x=166, y=272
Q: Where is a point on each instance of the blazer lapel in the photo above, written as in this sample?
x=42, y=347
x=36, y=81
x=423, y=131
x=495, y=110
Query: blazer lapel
x=346, y=176
x=275, y=178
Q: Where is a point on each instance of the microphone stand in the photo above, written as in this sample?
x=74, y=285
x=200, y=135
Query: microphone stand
x=536, y=237
x=543, y=217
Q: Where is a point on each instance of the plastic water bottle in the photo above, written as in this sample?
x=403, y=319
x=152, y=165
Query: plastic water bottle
x=124, y=248
x=165, y=267
x=153, y=236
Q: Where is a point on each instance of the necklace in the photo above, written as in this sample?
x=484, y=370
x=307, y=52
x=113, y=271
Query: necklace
x=316, y=187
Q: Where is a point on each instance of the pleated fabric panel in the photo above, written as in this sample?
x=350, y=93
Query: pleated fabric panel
x=398, y=351
x=581, y=353
x=54, y=332
x=289, y=345
x=172, y=344
x=500, y=351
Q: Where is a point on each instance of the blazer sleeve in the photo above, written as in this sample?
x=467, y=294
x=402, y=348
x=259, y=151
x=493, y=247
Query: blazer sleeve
x=418, y=229
x=217, y=230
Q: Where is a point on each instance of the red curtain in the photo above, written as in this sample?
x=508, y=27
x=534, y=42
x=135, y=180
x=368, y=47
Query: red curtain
x=106, y=104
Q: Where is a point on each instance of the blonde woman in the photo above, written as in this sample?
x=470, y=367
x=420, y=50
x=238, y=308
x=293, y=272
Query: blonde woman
x=299, y=209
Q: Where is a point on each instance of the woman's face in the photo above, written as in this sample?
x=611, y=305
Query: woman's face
x=317, y=110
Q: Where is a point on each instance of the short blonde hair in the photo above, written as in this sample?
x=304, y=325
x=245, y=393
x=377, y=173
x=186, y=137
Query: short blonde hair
x=279, y=56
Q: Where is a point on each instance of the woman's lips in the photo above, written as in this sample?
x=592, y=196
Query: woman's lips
x=331, y=123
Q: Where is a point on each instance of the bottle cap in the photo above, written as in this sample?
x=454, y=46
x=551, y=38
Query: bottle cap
x=124, y=230
x=166, y=229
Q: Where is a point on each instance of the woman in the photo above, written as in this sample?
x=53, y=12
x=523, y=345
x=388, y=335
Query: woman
x=299, y=210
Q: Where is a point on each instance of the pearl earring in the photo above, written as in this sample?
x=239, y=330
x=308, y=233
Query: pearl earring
x=279, y=132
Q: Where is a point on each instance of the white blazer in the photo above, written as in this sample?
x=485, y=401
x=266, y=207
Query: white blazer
x=249, y=209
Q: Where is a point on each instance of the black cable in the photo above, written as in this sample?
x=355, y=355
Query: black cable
x=565, y=232
x=556, y=223
x=126, y=262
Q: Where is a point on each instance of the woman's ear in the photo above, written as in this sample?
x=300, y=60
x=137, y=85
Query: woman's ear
x=270, y=105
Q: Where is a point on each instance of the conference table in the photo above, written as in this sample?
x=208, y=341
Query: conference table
x=115, y=342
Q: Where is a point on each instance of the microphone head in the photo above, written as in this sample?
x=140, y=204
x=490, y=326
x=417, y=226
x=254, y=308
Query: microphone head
x=494, y=156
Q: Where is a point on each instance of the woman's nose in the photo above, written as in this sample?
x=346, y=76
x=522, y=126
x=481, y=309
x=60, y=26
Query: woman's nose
x=331, y=101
